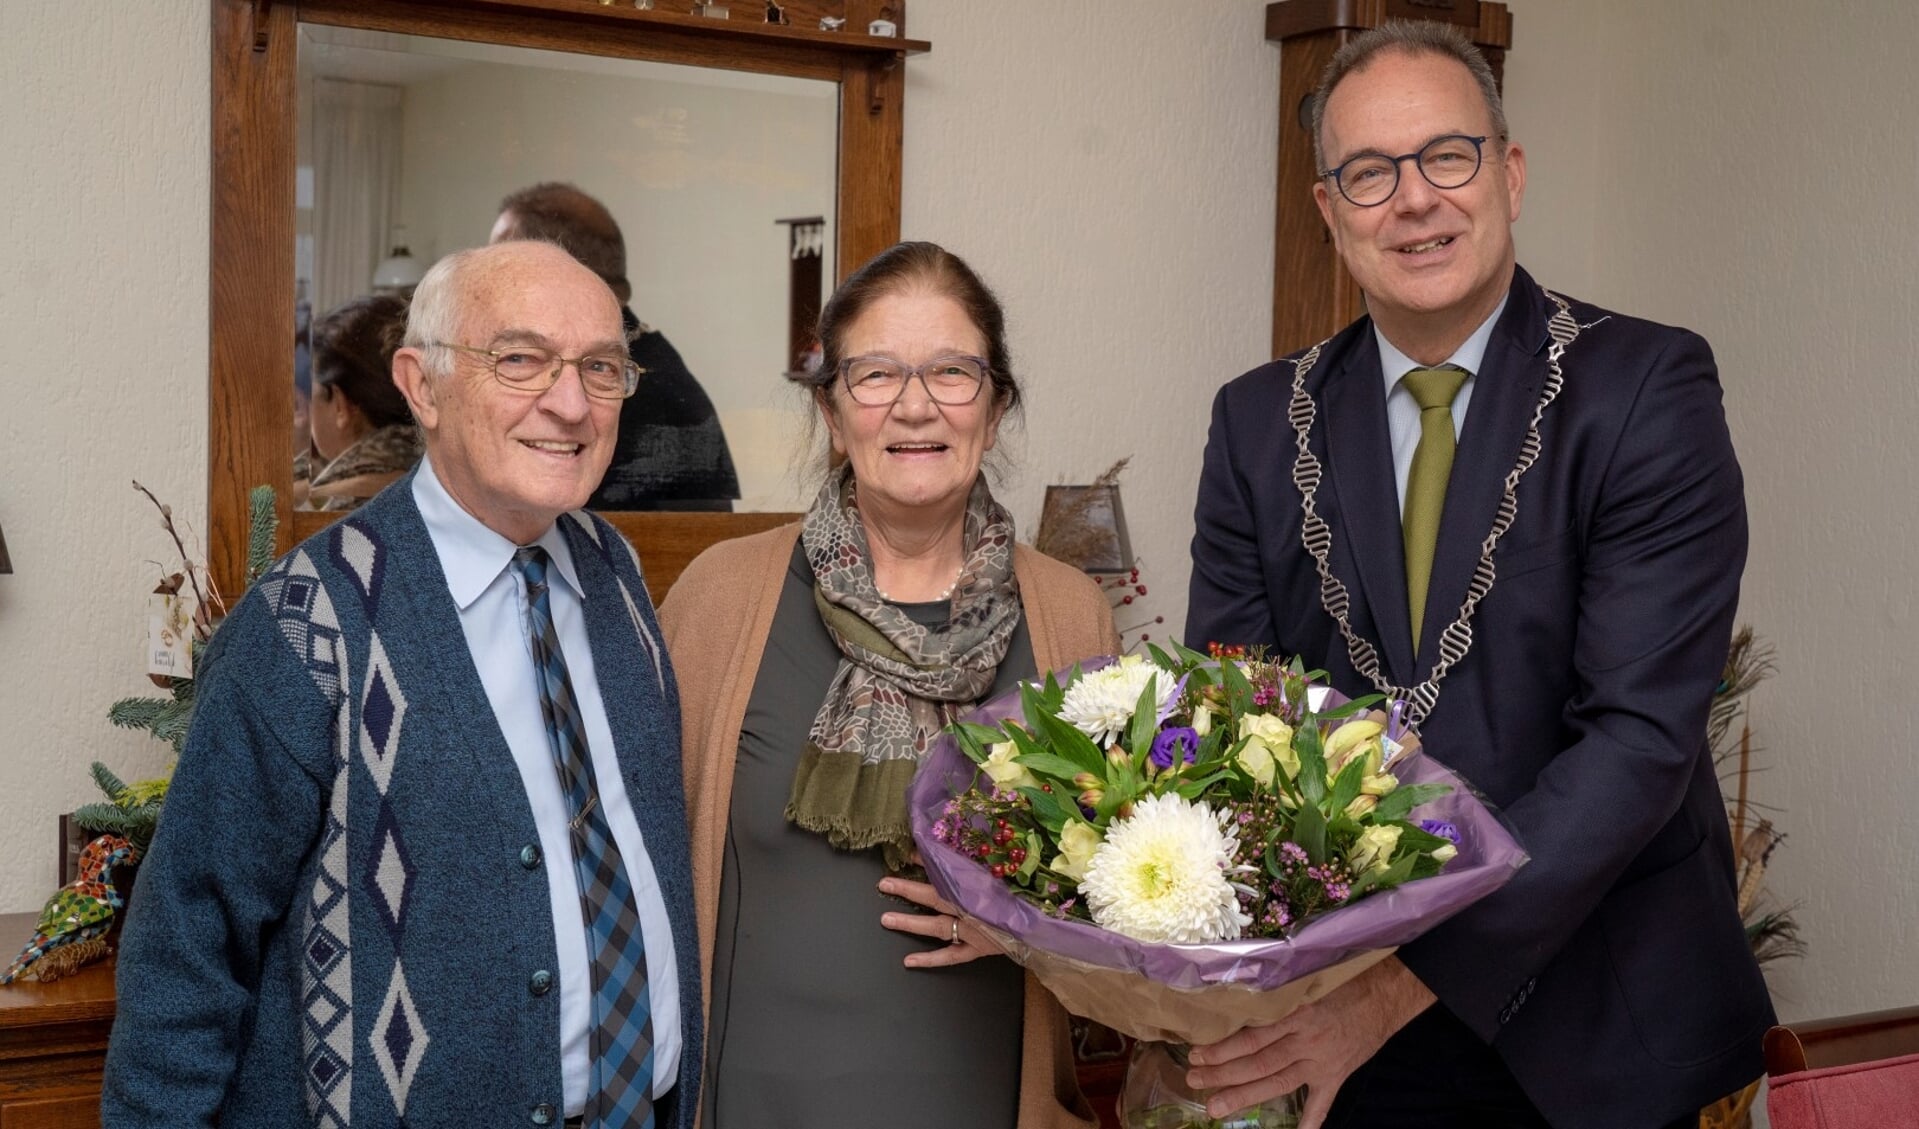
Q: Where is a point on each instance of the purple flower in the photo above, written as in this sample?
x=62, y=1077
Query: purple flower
x=1440, y=828
x=1180, y=742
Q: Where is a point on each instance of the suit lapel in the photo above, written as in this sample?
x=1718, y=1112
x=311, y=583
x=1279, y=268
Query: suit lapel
x=1359, y=458
x=1505, y=391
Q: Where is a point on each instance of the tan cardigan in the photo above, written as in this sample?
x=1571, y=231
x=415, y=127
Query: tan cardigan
x=717, y=618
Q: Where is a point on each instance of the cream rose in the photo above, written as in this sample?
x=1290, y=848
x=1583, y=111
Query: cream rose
x=1077, y=842
x=1006, y=772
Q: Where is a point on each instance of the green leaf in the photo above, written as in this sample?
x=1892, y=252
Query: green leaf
x=1312, y=765
x=1346, y=788
x=1395, y=874
x=1049, y=765
x=1048, y=810
x=263, y=526
x=1309, y=831
x=1189, y=657
x=1034, y=850
x=1239, y=692
x=1059, y=735
x=1397, y=803
x=1145, y=721
x=1159, y=658
x=1348, y=709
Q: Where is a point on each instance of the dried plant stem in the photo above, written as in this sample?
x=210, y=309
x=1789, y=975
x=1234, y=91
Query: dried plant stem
x=203, y=606
x=1745, y=761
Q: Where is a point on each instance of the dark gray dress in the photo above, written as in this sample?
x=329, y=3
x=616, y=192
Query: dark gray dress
x=816, y=1023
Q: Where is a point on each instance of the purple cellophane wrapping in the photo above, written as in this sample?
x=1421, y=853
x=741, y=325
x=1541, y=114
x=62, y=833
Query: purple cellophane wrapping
x=1202, y=993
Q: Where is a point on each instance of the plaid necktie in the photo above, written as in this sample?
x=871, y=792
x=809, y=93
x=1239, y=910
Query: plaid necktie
x=620, y=1042
x=1433, y=390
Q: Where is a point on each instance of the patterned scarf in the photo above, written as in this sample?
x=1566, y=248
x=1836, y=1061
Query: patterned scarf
x=898, y=683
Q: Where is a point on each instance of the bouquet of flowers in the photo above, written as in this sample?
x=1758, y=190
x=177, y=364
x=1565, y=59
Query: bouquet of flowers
x=1181, y=845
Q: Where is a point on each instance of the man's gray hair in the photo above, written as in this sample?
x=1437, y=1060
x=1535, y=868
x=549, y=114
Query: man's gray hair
x=1410, y=37
x=434, y=316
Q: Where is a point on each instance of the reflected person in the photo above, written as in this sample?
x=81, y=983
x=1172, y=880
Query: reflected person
x=672, y=452
x=819, y=661
x=364, y=437
x=424, y=858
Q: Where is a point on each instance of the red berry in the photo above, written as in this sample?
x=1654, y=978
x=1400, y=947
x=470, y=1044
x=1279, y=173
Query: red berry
x=1017, y=854
x=999, y=871
x=982, y=850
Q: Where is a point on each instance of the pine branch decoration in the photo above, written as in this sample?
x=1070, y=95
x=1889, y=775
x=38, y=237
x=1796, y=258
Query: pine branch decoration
x=263, y=527
x=130, y=811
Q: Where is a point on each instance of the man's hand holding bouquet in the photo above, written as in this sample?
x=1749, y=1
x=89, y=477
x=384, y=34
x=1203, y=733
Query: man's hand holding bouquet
x=1183, y=846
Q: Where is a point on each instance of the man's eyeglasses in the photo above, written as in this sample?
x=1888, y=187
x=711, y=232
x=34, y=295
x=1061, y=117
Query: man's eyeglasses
x=1370, y=179
x=880, y=381
x=530, y=368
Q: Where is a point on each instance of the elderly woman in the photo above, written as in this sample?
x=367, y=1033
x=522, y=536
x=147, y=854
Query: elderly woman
x=363, y=435
x=817, y=662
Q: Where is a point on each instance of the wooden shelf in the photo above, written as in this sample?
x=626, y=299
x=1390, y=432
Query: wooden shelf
x=749, y=30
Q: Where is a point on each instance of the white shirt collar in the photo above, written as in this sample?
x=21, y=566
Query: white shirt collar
x=472, y=555
x=1471, y=353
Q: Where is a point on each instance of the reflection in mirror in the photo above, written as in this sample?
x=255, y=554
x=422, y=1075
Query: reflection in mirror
x=407, y=147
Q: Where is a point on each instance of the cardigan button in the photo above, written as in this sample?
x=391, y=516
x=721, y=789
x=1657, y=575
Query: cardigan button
x=543, y=1114
x=530, y=856
x=540, y=983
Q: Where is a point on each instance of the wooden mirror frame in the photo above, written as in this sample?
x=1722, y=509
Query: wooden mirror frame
x=250, y=380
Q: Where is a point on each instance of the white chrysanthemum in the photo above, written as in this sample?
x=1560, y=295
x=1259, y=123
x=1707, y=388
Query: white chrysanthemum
x=1100, y=704
x=1161, y=875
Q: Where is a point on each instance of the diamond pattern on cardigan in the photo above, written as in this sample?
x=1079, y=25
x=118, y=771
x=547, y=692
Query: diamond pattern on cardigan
x=399, y=1040
x=363, y=558
x=390, y=873
x=307, y=621
x=382, y=709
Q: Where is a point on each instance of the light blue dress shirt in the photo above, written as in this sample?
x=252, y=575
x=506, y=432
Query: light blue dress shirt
x=1402, y=411
x=491, y=597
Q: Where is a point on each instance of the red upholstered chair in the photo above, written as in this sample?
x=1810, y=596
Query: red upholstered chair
x=1856, y=1072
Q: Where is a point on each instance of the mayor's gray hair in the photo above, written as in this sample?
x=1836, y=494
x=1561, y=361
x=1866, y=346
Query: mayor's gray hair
x=1410, y=37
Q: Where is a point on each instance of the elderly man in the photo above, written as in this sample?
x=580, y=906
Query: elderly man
x=672, y=453
x=1533, y=527
x=424, y=858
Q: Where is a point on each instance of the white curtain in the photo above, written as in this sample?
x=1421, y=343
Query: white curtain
x=356, y=189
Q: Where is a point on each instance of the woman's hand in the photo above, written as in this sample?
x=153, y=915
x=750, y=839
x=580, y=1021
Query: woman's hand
x=960, y=941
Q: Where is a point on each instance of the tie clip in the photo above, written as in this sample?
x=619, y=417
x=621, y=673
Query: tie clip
x=579, y=820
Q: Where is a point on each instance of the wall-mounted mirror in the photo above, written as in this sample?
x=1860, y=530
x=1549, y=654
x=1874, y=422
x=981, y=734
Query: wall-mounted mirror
x=344, y=129
x=407, y=143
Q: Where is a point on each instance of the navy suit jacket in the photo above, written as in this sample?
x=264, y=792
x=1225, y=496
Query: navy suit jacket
x=1612, y=974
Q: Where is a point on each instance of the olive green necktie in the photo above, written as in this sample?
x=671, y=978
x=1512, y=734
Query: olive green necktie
x=1433, y=390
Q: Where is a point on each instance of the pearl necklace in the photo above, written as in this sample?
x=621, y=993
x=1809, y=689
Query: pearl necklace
x=946, y=594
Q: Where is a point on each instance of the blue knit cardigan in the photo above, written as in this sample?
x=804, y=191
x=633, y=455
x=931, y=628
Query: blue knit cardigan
x=338, y=921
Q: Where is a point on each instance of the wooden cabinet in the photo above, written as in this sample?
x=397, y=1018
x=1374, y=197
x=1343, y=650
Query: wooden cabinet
x=53, y=1041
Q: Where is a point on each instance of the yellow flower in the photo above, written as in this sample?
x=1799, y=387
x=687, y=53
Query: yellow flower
x=1202, y=720
x=1272, y=735
x=1005, y=771
x=1077, y=842
x=1444, y=852
x=1361, y=805
x=1380, y=785
x=1374, y=851
x=1354, y=739
x=1257, y=760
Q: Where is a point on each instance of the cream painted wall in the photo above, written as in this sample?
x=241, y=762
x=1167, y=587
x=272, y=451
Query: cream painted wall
x=1112, y=177
x=103, y=306
x=1109, y=170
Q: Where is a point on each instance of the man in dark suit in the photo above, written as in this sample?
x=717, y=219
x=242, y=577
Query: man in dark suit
x=1566, y=671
